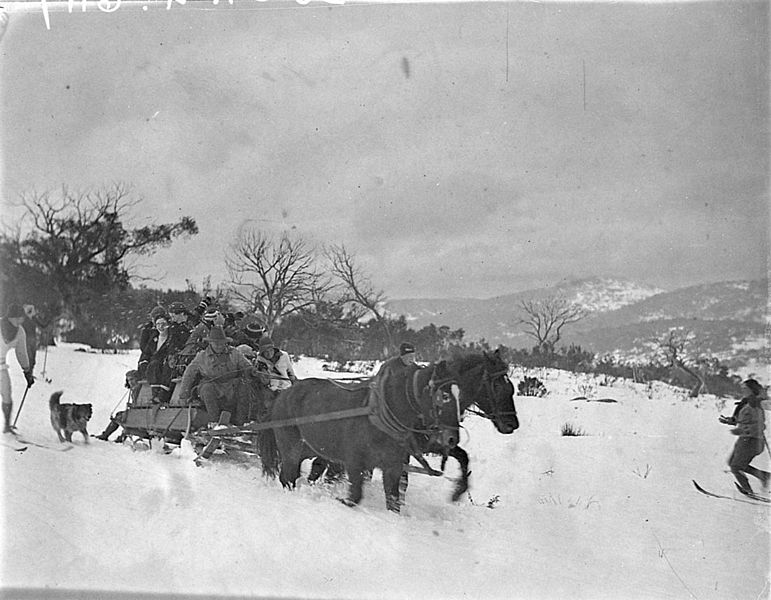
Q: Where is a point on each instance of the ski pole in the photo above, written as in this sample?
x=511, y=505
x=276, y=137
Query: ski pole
x=45, y=360
x=21, y=405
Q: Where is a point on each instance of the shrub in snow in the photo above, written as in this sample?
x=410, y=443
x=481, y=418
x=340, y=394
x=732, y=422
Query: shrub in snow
x=531, y=386
x=568, y=429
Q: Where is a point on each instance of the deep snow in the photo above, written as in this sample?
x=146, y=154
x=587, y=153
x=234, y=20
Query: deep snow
x=611, y=514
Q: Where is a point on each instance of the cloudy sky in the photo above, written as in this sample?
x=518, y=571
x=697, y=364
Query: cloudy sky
x=458, y=149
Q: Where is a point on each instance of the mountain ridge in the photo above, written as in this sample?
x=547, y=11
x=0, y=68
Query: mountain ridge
x=623, y=316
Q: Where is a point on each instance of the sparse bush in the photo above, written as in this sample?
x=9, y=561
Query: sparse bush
x=585, y=389
x=531, y=386
x=571, y=430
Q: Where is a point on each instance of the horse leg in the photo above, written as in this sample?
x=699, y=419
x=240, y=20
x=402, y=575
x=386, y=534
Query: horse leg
x=291, y=452
x=355, y=485
x=393, y=476
x=461, y=485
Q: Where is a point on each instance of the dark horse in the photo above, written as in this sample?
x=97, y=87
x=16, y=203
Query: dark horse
x=411, y=403
x=483, y=380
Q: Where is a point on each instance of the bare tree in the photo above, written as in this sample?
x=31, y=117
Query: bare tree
x=274, y=277
x=356, y=287
x=76, y=245
x=544, y=319
x=678, y=348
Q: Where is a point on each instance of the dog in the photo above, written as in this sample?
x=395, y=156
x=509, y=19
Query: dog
x=68, y=418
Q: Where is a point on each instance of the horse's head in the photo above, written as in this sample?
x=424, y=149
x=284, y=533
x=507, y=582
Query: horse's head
x=484, y=381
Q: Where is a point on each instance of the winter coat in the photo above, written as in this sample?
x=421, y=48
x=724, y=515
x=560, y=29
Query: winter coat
x=394, y=366
x=751, y=421
x=18, y=343
x=281, y=366
x=219, y=370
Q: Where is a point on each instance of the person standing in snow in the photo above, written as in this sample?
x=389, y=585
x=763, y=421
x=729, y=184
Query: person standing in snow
x=13, y=337
x=750, y=423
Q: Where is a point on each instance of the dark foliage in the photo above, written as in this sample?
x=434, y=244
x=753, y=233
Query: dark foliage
x=570, y=430
x=531, y=386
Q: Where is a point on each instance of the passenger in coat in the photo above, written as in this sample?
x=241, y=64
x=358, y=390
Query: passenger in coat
x=146, y=331
x=749, y=427
x=217, y=371
x=277, y=364
x=12, y=338
x=158, y=349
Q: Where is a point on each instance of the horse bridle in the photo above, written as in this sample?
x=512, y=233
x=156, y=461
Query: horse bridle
x=487, y=385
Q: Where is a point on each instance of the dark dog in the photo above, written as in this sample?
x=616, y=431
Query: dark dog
x=68, y=418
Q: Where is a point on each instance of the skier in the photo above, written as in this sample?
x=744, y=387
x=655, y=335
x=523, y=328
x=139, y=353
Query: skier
x=750, y=423
x=13, y=337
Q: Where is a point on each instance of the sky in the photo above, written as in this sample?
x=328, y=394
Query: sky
x=458, y=150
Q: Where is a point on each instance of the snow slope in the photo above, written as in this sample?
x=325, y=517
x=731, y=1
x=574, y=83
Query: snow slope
x=611, y=514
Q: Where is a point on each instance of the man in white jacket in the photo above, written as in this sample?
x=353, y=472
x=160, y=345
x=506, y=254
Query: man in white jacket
x=12, y=338
x=277, y=364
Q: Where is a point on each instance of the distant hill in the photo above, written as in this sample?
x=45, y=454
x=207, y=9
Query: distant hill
x=624, y=316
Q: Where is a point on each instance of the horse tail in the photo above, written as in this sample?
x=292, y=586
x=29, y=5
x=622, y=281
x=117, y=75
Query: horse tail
x=269, y=453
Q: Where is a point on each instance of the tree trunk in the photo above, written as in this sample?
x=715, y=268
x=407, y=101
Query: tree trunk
x=699, y=387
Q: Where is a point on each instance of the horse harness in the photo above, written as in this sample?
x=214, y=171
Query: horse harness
x=384, y=419
x=441, y=394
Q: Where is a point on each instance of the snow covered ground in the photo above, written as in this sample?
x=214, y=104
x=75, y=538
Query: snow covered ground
x=612, y=514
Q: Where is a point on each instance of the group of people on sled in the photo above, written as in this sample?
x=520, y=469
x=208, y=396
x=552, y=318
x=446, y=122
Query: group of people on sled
x=205, y=350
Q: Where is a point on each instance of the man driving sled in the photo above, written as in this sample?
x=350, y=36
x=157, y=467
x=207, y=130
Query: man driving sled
x=217, y=370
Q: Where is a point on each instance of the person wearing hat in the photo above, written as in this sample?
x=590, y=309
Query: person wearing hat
x=216, y=371
x=750, y=423
x=405, y=358
x=251, y=334
x=149, y=342
x=146, y=329
x=277, y=364
x=396, y=365
x=13, y=338
x=158, y=358
x=197, y=341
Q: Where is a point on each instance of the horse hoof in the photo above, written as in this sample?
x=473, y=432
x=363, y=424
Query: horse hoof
x=460, y=489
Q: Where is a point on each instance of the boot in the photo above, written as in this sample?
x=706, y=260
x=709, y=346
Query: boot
x=109, y=430
x=7, y=410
